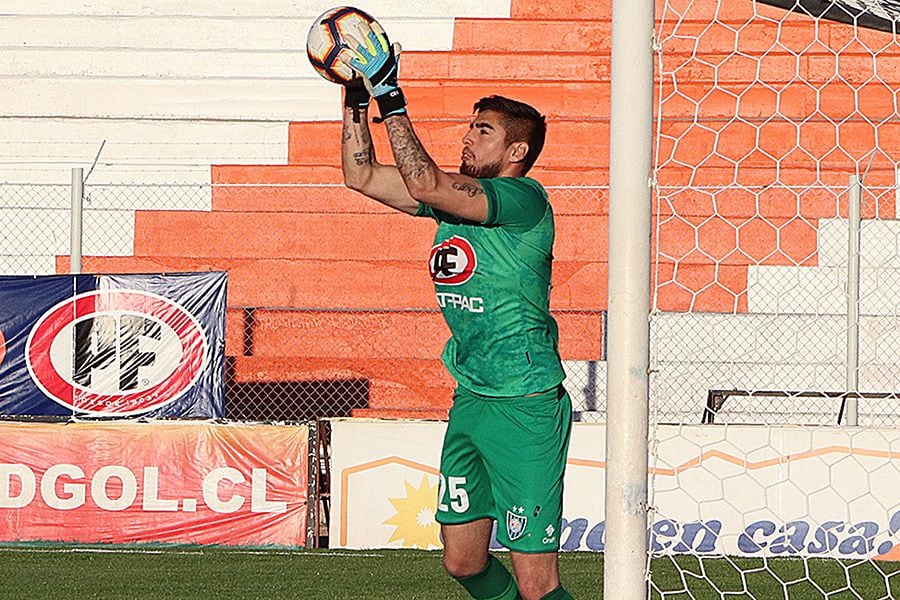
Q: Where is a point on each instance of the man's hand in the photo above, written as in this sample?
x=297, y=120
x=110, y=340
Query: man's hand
x=378, y=64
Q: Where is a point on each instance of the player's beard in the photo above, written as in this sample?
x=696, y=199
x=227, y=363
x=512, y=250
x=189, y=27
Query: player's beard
x=482, y=172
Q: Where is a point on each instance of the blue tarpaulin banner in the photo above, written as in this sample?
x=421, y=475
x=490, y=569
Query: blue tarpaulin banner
x=113, y=345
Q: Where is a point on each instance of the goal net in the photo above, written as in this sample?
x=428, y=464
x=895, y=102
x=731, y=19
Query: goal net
x=775, y=307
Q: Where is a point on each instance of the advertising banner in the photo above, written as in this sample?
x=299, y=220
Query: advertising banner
x=749, y=491
x=173, y=482
x=113, y=345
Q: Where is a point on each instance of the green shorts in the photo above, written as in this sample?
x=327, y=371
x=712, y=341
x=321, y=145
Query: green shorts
x=504, y=459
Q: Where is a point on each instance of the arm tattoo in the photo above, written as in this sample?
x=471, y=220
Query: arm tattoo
x=470, y=190
x=363, y=156
x=411, y=158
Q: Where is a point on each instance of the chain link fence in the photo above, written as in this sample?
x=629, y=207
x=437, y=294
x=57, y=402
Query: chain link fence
x=758, y=318
x=331, y=311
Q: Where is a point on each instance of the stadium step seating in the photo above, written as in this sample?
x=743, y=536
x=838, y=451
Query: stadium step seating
x=325, y=284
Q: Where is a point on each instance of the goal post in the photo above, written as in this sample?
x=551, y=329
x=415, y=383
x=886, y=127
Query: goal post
x=628, y=341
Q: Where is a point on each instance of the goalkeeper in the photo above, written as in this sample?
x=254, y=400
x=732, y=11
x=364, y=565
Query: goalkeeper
x=504, y=451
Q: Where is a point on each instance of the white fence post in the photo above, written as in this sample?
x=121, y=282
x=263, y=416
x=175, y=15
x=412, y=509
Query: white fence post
x=854, y=221
x=76, y=220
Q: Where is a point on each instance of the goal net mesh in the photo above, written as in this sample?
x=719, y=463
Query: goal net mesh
x=772, y=121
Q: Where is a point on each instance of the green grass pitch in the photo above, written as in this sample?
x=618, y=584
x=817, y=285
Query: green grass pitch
x=184, y=573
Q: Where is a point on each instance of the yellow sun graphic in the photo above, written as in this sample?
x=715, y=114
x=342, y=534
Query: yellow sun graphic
x=414, y=524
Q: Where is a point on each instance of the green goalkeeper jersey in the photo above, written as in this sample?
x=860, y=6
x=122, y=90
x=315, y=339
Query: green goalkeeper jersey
x=492, y=282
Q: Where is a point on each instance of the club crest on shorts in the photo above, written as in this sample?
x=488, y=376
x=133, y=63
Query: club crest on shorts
x=515, y=524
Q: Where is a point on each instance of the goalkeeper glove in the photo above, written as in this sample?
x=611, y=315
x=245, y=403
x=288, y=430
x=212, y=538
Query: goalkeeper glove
x=356, y=96
x=378, y=63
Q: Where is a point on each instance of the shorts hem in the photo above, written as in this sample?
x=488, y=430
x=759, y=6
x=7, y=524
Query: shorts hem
x=467, y=520
x=541, y=551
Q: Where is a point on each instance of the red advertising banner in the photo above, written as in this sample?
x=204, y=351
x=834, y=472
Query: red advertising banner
x=126, y=482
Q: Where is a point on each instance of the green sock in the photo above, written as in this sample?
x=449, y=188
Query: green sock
x=492, y=583
x=558, y=594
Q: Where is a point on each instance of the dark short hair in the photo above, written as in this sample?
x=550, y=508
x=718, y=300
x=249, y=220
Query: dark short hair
x=522, y=122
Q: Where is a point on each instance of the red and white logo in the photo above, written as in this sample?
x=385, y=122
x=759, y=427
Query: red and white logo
x=2, y=348
x=452, y=261
x=116, y=352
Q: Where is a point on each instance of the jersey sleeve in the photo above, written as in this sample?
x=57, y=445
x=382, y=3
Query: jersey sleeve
x=514, y=202
x=438, y=215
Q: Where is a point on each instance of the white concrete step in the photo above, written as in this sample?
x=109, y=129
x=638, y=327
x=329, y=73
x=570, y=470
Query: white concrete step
x=43, y=151
x=251, y=8
x=771, y=339
x=693, y=353
x=189, y=60
x=878, y=243
x=821, y=290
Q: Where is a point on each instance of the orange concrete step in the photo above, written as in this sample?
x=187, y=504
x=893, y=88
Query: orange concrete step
x=235, y=332
x=392, y=413
x=335, y=198
x=303, y=283
x=570, y=144
x=356, y=335
x=504, y=66
x=307, y=198
x=700, y=288
x=721, y=175
x=392, y=383
x=735, y=203
x=330, y=284
x=573, y=10
x=576, y=36
x=752, y=241
x=425, y=372
x=393, y=394
x=577, y=286
x=558, y=100
x=399, y=384
x=277, y=175
x=383, y=237
x=778, y=148
x=348, y=335
x=282, y=235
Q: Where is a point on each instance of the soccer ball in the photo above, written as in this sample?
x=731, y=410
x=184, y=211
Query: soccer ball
x=327, y=38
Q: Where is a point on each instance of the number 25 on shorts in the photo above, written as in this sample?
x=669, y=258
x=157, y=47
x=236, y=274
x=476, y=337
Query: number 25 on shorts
x=459, y=499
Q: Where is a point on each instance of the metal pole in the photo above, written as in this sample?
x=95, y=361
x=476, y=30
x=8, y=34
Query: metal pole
x=76, y=221
x=854, y=221
x=628, y=360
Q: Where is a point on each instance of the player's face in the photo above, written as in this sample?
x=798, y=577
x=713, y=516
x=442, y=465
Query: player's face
x=484, y=146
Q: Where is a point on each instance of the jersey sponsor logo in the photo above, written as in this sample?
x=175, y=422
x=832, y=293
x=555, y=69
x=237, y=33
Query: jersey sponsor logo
x=515, y=522
x=2, y=347
x=453, y=261
x=472, y=304
x=116, y=352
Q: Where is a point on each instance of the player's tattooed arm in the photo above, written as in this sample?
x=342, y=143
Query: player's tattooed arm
x=448, y=192
x=412, y=160
x=361, y=169
x=470, y=189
